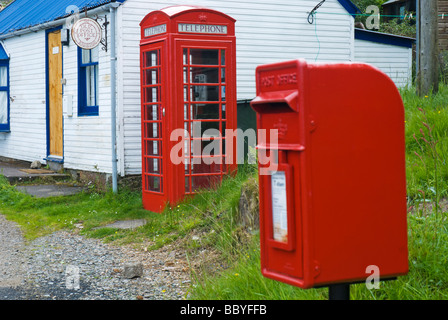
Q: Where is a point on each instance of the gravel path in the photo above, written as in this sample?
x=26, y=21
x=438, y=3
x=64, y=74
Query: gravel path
x=49, y=267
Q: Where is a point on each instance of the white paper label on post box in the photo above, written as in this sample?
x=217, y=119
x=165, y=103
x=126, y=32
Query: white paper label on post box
x=279, y=208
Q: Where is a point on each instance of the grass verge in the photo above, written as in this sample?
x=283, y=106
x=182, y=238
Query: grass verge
x=209, y=220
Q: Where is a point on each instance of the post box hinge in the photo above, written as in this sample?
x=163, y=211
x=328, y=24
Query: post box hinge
x=312, y=124
x=316, y=268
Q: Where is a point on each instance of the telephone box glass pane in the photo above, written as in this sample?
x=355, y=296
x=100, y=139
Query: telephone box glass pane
x=223, y=57
x=204, y=75
x=223, y=75
x=152, y=112
x=204, y=56
x=152, y=58
x=205, y=111
x=152, y=94
x=223, y=111
x=152, y=76
x=153, y=148
x=205, y=93
x=153, y=166
x=187, y=184
x=206, y=165
x=208, y=147
x=154, y=183
x=152, y=130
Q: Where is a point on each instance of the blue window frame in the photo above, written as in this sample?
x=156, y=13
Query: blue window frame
x=88, y=82
x=4, y=95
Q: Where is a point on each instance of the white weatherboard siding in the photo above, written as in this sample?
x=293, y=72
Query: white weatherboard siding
x=395, y=61
x=266, y=32
x=87, y=139
x=27, y=139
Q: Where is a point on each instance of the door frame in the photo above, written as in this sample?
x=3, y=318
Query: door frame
x=154, y=200
x=50, y=157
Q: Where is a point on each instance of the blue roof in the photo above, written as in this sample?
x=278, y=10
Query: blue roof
x=22, y=14
x=385, y=38
x=3, y=55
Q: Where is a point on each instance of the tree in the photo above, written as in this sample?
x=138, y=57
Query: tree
x=428, y=67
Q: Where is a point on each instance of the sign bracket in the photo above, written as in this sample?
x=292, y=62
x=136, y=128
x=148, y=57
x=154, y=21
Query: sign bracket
x=103, y=25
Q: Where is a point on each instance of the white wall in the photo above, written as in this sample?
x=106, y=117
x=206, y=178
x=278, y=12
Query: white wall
x=87, y=139
x=27, y=139
x=395, y=61
x=266, y=31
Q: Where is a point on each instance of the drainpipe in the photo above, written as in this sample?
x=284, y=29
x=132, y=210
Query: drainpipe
x=113, y=99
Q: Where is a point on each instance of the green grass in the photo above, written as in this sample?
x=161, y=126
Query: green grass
x=427, y=181
x=211, y=215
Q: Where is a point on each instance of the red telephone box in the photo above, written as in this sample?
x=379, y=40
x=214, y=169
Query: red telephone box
x=333, y=204
x=188, y=98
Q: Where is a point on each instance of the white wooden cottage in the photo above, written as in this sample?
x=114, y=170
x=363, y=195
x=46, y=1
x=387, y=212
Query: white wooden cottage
x=86, y=135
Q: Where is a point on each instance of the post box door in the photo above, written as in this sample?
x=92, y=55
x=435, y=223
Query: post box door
x=207, y=112
x=153, y=126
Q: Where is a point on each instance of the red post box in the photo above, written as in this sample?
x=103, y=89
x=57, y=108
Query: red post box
x=188, y=99
x=333, y=199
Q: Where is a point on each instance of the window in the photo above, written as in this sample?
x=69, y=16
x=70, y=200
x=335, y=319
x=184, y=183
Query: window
x=4, y=95
x=88, y=82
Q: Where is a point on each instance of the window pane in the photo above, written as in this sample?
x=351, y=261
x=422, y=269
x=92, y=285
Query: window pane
x=153, y=183
x=205, y=111
x=153, y=148
x=223, y=75
x=3, y=107
x=85, y=56
x=152, y=112
x=94, y=54
x=205, y=93
x=223, y=57
x=3, y=76
x=151, y=58
x=153, y=165
x=152, y=94
x=91, y=85
x=204, y=56
x=205, y=75
x=152, y=76
x=206, y=165
x=152, y=130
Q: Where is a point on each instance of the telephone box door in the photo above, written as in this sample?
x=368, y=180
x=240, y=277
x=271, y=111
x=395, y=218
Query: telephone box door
x=205, y=104
x=153, y=125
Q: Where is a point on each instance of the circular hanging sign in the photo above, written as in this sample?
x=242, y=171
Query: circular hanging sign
x=86, y=33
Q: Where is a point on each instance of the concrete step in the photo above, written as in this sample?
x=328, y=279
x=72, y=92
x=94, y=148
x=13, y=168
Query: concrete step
x=17, y=173
x=39, y=183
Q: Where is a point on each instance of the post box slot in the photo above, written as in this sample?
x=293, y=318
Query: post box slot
x=276, y=102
